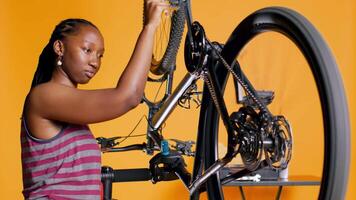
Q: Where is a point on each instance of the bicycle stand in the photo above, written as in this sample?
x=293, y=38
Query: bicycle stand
x=172, y=164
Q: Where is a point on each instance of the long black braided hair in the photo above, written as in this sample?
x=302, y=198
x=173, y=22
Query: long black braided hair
x=47, y=59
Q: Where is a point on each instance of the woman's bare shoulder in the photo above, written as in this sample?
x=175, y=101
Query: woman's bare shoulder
x=45, y=92
x=48, y=88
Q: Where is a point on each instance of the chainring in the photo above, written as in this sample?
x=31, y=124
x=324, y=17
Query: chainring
x=251, y=146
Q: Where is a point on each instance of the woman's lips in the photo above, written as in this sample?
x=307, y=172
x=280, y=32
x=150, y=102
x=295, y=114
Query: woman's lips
x=89, y=74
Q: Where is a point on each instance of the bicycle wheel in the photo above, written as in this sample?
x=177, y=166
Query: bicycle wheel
x=167, y=40
x=309, y=94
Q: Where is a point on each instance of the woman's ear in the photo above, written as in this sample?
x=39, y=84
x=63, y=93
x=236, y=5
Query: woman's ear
x=58, y=47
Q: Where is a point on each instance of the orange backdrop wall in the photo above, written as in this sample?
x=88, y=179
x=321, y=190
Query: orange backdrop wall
x=25, y=27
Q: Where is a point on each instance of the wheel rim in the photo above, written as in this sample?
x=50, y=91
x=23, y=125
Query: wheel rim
x=161, y=40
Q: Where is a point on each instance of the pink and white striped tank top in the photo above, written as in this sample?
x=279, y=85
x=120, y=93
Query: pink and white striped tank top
x=67, y=166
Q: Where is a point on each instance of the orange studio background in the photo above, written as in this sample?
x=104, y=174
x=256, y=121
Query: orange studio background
x=25, y=28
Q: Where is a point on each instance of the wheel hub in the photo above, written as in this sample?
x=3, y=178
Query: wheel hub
x=279, y=153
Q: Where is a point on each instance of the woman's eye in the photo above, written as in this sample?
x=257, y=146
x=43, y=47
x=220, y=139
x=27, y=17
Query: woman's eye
x=86, y=50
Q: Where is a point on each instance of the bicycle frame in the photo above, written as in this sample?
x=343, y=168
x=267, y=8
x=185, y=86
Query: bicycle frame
x=261, y=138
x=160, y=111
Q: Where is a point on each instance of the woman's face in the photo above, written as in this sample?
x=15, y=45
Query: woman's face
x=82, y=53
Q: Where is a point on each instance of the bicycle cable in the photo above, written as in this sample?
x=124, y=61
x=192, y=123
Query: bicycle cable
x=159, y=88
x=130, y=134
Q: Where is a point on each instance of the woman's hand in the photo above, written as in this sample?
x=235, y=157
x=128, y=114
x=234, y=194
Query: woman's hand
x=153, y=11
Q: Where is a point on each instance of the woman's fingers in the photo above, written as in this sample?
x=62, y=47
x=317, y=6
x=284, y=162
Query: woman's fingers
x=153, y=11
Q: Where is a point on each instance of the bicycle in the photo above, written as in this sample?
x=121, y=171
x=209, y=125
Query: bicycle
x=262, y=138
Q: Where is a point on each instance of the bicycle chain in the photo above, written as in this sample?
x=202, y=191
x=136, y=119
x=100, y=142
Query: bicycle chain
x=204, y=74
x=211, y=89
x=260, y=105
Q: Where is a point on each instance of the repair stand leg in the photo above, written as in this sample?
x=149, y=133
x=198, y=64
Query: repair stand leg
x=242, y=193
x=279, y=192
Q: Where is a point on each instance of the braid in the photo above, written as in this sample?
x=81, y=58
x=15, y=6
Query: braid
x=46, y=62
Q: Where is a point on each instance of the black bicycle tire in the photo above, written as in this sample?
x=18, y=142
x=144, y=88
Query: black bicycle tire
x=169, y=57
x=329, y=84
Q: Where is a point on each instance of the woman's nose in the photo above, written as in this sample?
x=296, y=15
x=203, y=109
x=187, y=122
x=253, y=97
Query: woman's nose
x=94, y=65
x=94, y=62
